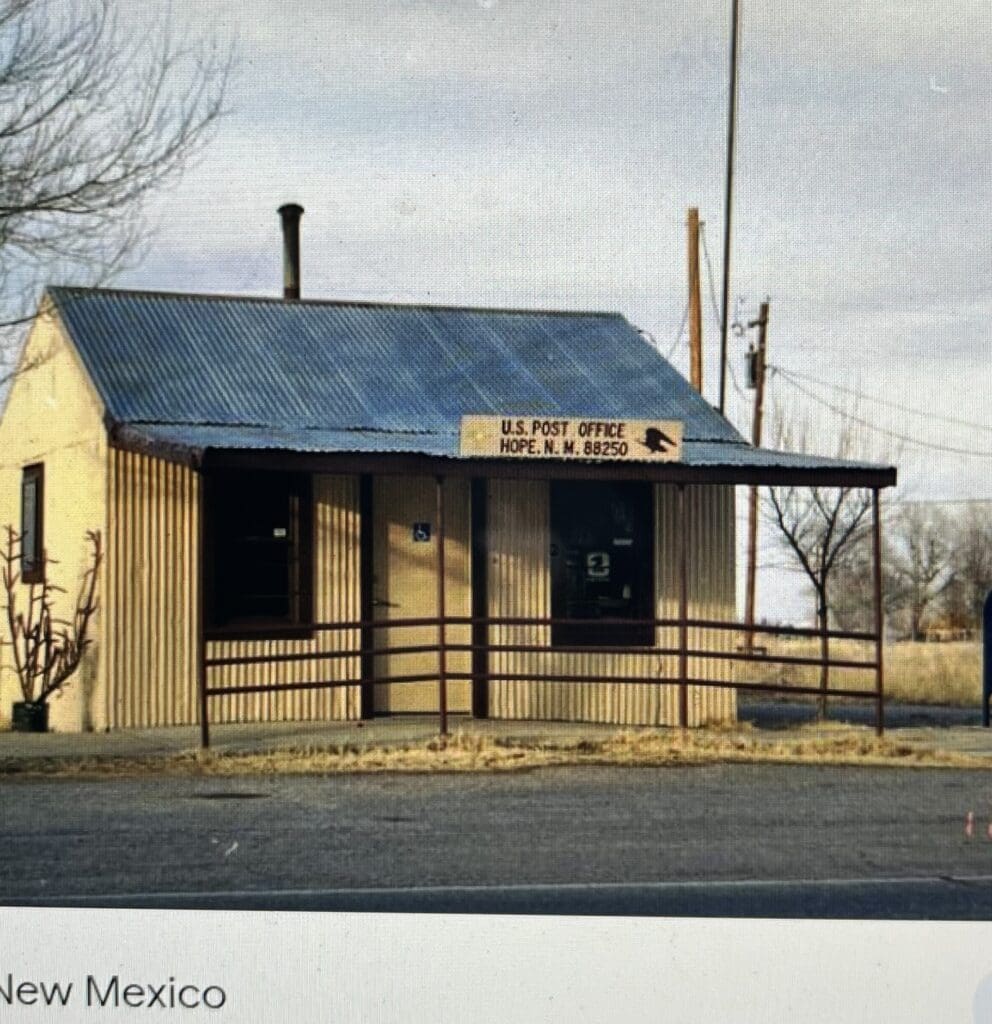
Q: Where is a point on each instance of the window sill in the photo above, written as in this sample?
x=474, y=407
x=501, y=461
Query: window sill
x=263, y=631
x=592, y=639
x=597, y=648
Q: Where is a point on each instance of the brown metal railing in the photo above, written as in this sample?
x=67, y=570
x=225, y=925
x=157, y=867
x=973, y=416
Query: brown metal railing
x=366, y=649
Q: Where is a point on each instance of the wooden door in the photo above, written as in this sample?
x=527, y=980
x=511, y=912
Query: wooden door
x=405, y=546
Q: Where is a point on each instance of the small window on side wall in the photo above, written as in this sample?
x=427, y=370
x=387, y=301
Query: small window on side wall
x=32, y=524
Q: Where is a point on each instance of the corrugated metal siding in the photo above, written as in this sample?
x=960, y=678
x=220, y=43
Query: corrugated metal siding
x=520, y=585
x=151, y=608
x=710, y=521
x=151, y=605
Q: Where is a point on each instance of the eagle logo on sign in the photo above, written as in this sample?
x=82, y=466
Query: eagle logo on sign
x=656, y=440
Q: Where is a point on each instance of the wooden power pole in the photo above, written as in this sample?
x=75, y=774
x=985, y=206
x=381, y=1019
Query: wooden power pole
x=752, y=512
x=695, y=303
x=735, y=19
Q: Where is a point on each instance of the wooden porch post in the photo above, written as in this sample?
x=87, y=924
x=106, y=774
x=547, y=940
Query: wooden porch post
x=683, y=614
x=366, y=587
x=441, y=632
x=876, y=529
x=201, y=603
x=480, y=597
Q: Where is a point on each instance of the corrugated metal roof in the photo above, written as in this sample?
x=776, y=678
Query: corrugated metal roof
x=289, y=366
x=198, y=439
x=200, y=372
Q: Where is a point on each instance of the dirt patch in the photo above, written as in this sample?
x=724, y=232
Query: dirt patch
x=830, y=744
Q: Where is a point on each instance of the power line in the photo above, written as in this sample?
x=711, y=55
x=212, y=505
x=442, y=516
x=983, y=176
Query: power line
x=675, y=345
x=906, y=438
x=881, y=401
x=709, y=275
x=716, y=310
x=938, y=501
x=733, y=378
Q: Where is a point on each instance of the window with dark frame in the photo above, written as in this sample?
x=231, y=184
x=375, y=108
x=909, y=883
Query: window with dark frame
x=259, y=569
x=602, y=562
x=32, y=524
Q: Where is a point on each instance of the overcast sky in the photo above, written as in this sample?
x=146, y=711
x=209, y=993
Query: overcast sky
x=532, y=153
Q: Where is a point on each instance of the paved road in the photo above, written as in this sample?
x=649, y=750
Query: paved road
x=782, y=714
x=951, y=898
x=762, y=840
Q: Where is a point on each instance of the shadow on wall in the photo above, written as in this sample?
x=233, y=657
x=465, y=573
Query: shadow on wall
x=87, y=685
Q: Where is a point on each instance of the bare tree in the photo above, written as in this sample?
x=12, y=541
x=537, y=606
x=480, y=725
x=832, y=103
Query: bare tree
x=936, y=564
x=819, y=524
x=920, y=557
x=970, y=566
x=852, y=601
x=47, y=651
x=95, y=114
x=916, y=571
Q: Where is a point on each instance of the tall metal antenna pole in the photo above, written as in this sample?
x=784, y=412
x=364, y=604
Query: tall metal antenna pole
x=731, y=124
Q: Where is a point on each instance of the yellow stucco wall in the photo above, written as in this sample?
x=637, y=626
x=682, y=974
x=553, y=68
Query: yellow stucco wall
x=53, y=416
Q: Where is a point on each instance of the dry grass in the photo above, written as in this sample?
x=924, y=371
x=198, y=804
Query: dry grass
x=916, y=673
x=471, y=752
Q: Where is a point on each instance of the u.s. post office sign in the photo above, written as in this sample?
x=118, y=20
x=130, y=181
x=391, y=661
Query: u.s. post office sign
x=571, y=437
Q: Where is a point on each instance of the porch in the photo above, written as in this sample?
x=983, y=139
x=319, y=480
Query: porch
x=461, y=656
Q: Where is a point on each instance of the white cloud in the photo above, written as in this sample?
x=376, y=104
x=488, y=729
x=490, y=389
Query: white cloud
x=544, y=153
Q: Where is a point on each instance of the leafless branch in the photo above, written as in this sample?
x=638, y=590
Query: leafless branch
x=818, y=525
x=94, y=117
x=47, y=651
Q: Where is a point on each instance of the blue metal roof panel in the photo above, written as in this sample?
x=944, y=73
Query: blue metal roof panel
x=197, y=438
x=743, y=455
x=194, y=438
x=304, y=366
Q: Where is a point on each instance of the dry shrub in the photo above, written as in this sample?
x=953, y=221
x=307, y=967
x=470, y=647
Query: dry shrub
x=935, y=673
x=474, y=752
x=915, y=672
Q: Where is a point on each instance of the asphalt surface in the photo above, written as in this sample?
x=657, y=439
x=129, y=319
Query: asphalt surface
x=725, y=840
x=785, y=714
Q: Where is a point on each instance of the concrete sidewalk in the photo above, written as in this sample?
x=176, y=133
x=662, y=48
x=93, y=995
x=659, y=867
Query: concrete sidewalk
x=260, y=736
x=938, y=728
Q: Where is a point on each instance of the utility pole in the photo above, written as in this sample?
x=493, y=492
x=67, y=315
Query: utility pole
x=758, y=376
x=695, y=303
x=731, y=127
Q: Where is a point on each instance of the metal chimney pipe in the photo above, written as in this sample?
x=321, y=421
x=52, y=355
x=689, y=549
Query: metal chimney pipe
x=290, y=214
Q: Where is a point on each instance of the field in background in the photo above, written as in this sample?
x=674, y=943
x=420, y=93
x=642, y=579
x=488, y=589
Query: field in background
x=917, y=673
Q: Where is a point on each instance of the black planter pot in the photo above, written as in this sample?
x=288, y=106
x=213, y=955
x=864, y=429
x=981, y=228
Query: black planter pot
x=29, y=716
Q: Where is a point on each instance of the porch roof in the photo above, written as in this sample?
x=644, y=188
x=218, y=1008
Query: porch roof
x=702, y=461
x=202, y=378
